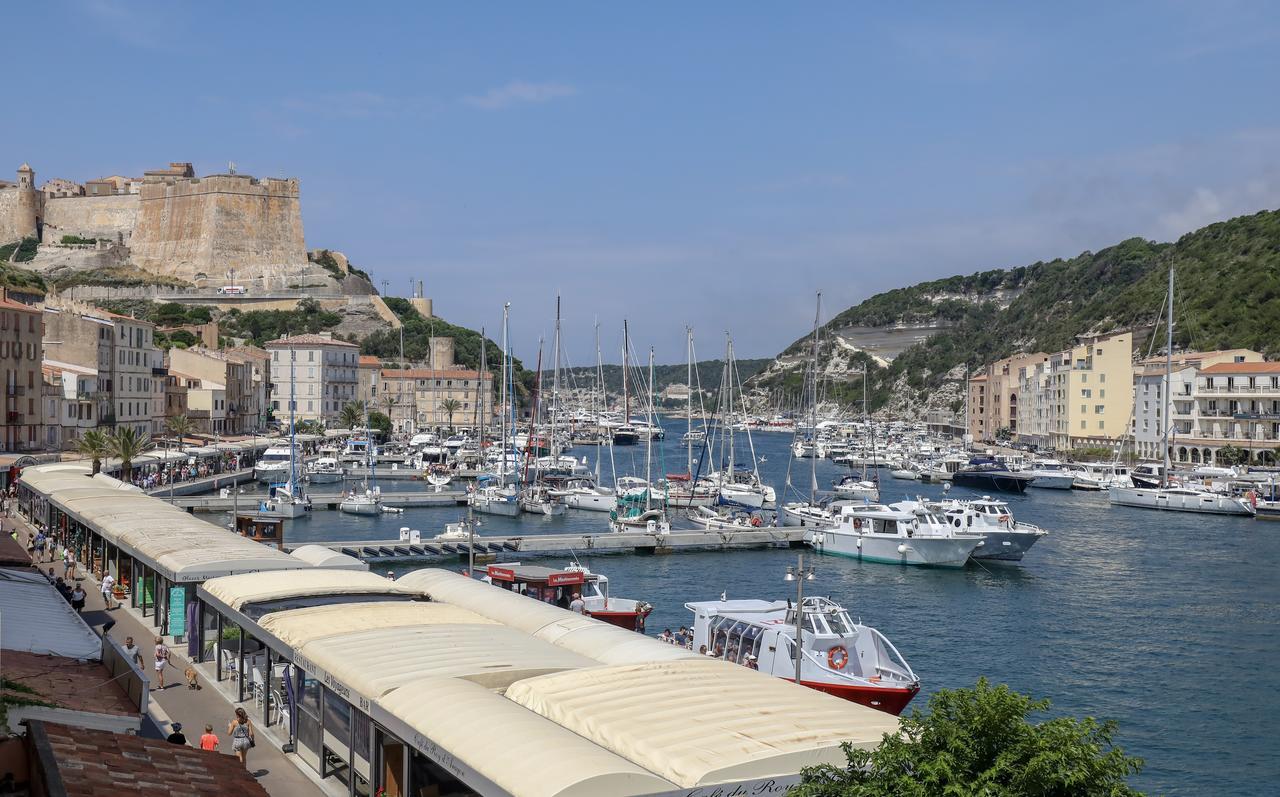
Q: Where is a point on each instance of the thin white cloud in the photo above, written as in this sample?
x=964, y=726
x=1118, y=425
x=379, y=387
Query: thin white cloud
x=520, y=92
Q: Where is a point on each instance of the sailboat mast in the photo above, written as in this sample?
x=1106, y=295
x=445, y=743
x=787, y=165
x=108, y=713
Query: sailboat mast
x=626, y=366
x=1168, y=384
x=293, y=476
x=813, y=409
x=728, y=371
x=502, y=450
x=648, y=448
x=688, y=403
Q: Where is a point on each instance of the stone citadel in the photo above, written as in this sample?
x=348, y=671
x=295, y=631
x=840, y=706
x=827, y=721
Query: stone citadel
x=211, y=230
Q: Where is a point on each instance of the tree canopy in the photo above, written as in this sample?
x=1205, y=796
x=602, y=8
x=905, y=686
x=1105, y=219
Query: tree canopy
x=981, y=742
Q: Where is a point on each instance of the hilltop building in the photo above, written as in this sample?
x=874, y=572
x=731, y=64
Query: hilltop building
x=324, y=376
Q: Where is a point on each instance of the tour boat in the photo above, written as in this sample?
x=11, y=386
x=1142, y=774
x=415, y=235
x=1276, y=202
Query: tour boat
x=558, y=587
x=1006, y=539
x=839, y=656
x=876, y=533
x=324, y=470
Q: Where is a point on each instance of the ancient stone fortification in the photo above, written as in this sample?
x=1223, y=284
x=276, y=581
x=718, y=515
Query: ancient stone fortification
x=9, y=227
x=206, y=227
x=109, y=217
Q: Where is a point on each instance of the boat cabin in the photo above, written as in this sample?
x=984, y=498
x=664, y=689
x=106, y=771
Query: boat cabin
x=545, y=583
x=266, y=530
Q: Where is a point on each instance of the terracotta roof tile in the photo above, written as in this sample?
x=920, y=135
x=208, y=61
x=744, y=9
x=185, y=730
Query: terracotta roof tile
x=424, y=373
x=1242, y=368
x=309, y=340
x=68, y=683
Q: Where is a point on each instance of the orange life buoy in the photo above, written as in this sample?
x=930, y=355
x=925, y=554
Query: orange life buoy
x=837, y=657
x=755, y=520
x=857, y=523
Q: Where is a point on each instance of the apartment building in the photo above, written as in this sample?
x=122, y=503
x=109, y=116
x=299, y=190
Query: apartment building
x=420, y=397
x=994, y=395
x=223, y=400
x=123, y=352
x=322, y=379
x=1036, y=419
x=68, y=401
x=254, y=402
x=1148, y=397
x=1090, y=391
x=1234, y=404
x=368, y=379
x=21, y=332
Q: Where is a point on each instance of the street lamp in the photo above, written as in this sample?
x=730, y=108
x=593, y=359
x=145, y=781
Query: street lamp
x=799, y=574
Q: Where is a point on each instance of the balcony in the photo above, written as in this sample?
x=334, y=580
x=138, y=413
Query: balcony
x=15, y=390
x=1241, y=390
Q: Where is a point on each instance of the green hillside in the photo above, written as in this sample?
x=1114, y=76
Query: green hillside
x=1227, y=295
x=708, y=371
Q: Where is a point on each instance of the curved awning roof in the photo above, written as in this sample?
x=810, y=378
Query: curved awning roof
x=703, y=721
x=538, y=757
x=320, y=556
x=297, y=627
x=238, y=591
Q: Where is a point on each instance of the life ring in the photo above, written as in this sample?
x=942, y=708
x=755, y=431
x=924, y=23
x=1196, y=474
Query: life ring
x=837, y=657
x=857, y=523
x=756, y=521
x=956, y=521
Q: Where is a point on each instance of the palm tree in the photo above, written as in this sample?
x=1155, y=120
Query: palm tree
x=450, y=406
x=352, y=414
x=179, y=426
x=94, y=444
x=127, y=444
x=389, y=401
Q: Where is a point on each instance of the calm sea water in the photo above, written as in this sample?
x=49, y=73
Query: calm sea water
x=1165, y=622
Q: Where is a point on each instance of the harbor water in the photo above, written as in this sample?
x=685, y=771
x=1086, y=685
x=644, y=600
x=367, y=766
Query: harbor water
x=1165, y=622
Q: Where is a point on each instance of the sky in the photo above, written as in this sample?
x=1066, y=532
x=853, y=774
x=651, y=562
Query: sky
x=708, y=164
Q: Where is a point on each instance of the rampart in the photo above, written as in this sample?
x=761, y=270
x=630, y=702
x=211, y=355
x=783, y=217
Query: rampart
x=209, y=226
x=9, y=216
x=109, y=217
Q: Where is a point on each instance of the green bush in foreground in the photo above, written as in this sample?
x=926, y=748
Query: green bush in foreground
x=979, y=742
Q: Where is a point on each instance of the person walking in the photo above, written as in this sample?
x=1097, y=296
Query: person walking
x=162, y=660
x=68, y=564
x=210, y=739
x=78, y=596
x=108, y=582
x=240, y=730
x=131, y=650
x=578, y=604
x=177, y=737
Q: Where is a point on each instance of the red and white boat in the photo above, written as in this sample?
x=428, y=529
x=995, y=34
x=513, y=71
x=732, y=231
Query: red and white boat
x=839, y=657
x=557, y=587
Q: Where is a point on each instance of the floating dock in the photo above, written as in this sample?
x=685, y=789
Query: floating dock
x=637, y=542
x=319, y=501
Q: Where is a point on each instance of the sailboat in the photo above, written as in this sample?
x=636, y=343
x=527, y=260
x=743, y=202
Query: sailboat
x=1167, y=496
x=368, y=502
x=737, y=486
x=289, y=499
x=492, y=494
x=808, y=513
x=537, y=497
x=583, y=492
x=635, y=508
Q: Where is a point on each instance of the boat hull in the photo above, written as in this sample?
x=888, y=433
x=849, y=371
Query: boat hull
x=504, y=508
x=805, y=518
x=1054, y=482
x=1004, y=546
x=918, y=551
x=889, y=699
x=1002, y=482
x=1206, y=503
x=324, y=478
x=591, y=502
x=360, y=508
x=268, y=475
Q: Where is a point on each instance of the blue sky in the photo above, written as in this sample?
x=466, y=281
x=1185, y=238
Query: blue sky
x=710, y=164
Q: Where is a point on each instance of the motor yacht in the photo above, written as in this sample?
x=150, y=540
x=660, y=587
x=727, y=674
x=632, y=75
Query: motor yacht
x=1050, y=474
x=1006, y=540
x=877, y=533
x=273, y=466
x=324, y=470
x=989, y=473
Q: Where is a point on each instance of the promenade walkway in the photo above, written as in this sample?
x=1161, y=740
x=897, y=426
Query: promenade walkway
x=278, y=772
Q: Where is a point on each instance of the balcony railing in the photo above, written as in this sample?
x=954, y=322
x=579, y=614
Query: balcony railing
x=1219, y=390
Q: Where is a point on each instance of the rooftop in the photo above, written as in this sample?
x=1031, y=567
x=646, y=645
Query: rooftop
x=1242, y=368
x=91, y=763
x=308, y=340
x=68, y=683
x=368, y=359
x=427, y=373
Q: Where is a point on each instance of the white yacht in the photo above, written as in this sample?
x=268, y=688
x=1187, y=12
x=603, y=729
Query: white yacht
x=878, y=533
x=537, y=499
x=1006, y=539
x=324, y=470
x=367, y=502
x=853, y=487
x=273, y=466
x=582, y=492
x=1181, y=499
x=1051, y=474
x=494, y=499
x=1101, y=476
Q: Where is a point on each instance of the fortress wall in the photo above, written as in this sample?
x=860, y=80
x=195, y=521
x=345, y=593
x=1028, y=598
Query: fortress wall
x=9, y=231
x=110, y=217
x=213, y=224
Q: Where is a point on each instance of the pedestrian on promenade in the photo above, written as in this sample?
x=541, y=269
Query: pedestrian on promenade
x=241, y=732
x=68, y=563
x=77, y=598
x=210, y=739
x=63, y=589
x=578, y=604
x=132, y=651
x=162, y=660
x=108, y=583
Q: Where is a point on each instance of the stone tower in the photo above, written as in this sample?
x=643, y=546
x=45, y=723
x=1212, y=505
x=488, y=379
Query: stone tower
x=26, y=212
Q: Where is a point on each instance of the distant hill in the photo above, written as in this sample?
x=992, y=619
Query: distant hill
x=1227, y=295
